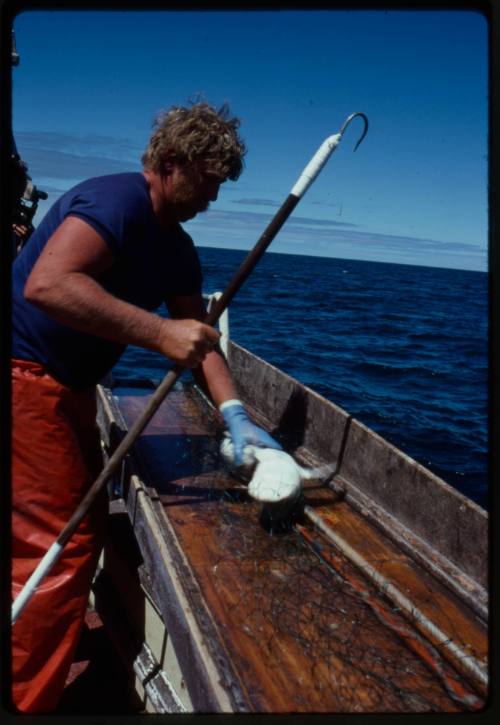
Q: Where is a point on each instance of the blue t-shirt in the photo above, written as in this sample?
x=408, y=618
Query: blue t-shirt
x=149, y=266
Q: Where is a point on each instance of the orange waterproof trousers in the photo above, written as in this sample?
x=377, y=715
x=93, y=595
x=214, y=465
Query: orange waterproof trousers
x=55, y=458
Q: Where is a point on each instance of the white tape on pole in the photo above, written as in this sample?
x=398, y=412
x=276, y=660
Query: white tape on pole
x=44, y=566
x=315, y=165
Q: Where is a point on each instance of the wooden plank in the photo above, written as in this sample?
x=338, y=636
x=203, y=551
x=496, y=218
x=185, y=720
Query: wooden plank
x=434, y=610
x=454, y=525
x=138, y=631
x=303, y=639
x=294, y=633
x=211, y=687
x=444, y=528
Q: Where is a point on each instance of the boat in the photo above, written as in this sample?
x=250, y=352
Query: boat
x=371, y=597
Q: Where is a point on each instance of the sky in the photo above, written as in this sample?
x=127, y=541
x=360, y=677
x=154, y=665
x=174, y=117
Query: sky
x=90, y=83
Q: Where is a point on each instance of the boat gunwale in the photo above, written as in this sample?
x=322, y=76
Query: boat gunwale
x=386, y=491
x=182, y=567
x=212, y=685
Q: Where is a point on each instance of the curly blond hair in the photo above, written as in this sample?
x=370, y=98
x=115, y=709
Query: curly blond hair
x=197, y=133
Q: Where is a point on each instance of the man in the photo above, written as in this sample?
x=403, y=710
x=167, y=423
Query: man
x=107, y=253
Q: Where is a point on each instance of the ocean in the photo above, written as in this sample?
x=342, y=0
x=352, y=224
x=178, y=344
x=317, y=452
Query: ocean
x=403, y=349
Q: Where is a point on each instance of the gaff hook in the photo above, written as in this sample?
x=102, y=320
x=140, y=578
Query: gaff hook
x=322, y=155
x=348, y=121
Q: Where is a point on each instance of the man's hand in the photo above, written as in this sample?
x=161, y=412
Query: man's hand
x=243, y=432
x=20, y=230
x=187, y=342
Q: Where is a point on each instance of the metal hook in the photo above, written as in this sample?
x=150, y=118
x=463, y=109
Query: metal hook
x=348, y=121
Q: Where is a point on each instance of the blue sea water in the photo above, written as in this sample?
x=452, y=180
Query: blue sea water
x=403, y=349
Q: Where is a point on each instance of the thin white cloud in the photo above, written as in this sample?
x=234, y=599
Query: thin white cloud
x=56, y=161
x=79, y=144
x=256, y=218
x=62, y=157
x=62, y=165
x=242, y=229
x=255, y=202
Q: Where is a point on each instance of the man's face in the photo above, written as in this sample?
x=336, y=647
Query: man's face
x=189, y=190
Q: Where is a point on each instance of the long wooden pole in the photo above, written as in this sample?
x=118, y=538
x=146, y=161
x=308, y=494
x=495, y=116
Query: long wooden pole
x=302, y=184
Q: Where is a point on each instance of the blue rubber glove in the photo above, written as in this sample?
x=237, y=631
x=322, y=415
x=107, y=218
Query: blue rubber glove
x=243, y=432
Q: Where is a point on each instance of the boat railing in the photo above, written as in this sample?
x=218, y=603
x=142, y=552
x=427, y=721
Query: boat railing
x=223, y=321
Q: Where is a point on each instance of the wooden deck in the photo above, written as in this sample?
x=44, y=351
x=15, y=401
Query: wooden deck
x=330, y=615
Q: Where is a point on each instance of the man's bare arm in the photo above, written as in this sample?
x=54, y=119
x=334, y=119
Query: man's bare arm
x=64, y=284
x=213, y=375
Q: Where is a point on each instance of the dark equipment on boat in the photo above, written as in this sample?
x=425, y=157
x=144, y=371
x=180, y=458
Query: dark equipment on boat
x=306, y=178
x=14, y=55
x=26, y=208
x=24, y=194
